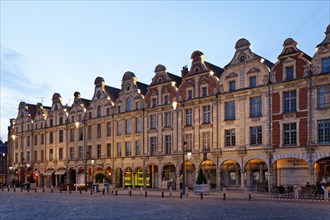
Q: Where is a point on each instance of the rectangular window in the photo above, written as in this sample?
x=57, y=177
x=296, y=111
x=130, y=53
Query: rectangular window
x=99, y=151
x=206, y=140
x=190, y=93
x=168, y=144
x=256, y=135
x=89, y=152
x=153, y=102
x=108, y=111
x=119, y=128
x=81, y=134
x=71, y=153
x=51, y=154
x=108, y=150
x=98, y=131
x=51, y=122
x=35, y=139
x=71, y=135
x=289, y=72
x=138, y=125
x=16, y=157
x=108, y=128
x=89, y=131
x=326, y=65
x=230, y=138
x=153, y=146
x=22, y=157
x=324, y=132
x=129, y=126
x=153, y=122
x=137, y=148
x=255, y=107
x=128, y=148
x=323, y=96
x=28, y=141
x=35, y=156
x=61, y=120
x=290, y=100
x=189, y=117
x=119, y=149
x=60, y=153
x=42, y=156
x=230, y=110
x=206, y=114
x=60, y=134
x=80, y=153
x=28, y=156
x=204, y=91
x=51, y=137
x=290, y=134
x=189, y=141
x=168, y=119
x=232, y=86
x=253, y=81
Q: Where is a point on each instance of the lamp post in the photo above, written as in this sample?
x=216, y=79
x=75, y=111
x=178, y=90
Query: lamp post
x=84, y=121
x=92, y=161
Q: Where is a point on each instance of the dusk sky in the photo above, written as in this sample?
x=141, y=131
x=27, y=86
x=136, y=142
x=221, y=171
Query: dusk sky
x=52, y=47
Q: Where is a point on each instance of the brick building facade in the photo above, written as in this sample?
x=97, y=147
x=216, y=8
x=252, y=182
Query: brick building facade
x=251, y=124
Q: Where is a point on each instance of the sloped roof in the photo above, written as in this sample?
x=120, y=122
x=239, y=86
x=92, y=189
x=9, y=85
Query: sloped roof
x=112, y=92
x=175, y=78
x=143, y=87
x=216, y=69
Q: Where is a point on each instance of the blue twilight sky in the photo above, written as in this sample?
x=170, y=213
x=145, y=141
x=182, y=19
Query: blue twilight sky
x=62, y=46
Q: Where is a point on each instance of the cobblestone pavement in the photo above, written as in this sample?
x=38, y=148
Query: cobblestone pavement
x=65, y=205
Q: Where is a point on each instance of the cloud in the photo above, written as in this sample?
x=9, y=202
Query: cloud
x=15, y=87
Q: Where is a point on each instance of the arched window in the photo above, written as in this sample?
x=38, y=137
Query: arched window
x=128, y=104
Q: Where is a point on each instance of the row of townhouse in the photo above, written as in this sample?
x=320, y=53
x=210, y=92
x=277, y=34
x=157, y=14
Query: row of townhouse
x=250, y=124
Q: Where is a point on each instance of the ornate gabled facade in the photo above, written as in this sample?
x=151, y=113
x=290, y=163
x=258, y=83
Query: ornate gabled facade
x=252, y=124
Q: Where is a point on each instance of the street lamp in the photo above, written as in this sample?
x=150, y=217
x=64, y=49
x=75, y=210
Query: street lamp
x=93, y=170
x=85, y=147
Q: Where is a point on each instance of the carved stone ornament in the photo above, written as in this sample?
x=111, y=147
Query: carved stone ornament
x=221, y=89
x=98, y=94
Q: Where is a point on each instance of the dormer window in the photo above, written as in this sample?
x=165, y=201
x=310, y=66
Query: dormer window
x=232, y=86
x=98, y=111
x=289, y=73
x=166, y=99
x=190, y=93
x=326, y=65
x=119, y=109
x=128, y=104
x=204, y=91
x=253, y=81
x=196, y=70
x=153, y=102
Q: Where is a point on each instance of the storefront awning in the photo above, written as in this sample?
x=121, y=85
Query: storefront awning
x=60, y=172
x=48, y=172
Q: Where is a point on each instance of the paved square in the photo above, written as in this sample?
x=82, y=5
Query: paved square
x=39, y=205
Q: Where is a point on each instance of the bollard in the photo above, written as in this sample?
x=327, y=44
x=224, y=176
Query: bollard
x=130, y=193
x=51, y=190
x=70, y=191
x=103, y=191
x=43, y=190
x=80, y=191
x=22, y=189
x=171, y=191
x=14, y=188
x=91, y=191
x=180, y=195
x=224, y=196
x=116, y=192
x=250, y=197
x=162, y=194
x=201, y=196
x=28, y=190
x=146, y=194
x=8, y=188
x=35, y=190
